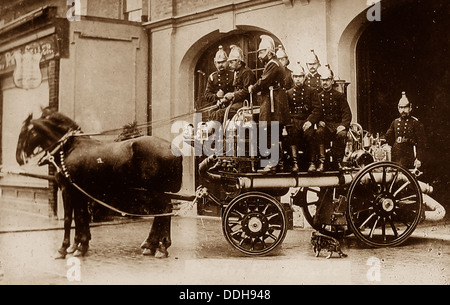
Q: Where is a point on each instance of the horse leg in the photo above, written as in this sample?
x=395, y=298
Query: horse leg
x=164, y=237
x=82, y=218
x=150, y=245
x=158, y=240
x=68, y=212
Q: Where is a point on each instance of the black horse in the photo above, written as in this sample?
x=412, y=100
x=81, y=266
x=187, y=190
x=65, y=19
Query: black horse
x=106, y=170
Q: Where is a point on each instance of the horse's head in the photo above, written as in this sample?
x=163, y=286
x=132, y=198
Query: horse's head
x=40, y=134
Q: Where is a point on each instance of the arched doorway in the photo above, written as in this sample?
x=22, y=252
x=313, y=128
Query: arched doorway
x=408, y=51
x=248, y=39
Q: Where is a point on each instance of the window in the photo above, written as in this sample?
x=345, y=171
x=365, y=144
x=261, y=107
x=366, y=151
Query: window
x=248, y=42
x=133, y=10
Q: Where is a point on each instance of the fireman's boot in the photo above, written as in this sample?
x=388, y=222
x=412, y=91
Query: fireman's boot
x=322, y=158
x=294, y=153
x=312, y=167
x=281, y=159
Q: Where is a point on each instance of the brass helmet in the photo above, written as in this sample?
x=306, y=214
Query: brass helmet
x=325, y=72
x=267, y=43
x=281, y=53
x=312, y=58
x=298, y=70
x=403, y=100
x=220, y=55
x=236, y=53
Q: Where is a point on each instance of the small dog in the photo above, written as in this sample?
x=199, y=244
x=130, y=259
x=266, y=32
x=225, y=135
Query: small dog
x=320, y=241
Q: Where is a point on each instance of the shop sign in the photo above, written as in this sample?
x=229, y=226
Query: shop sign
x=25, y=61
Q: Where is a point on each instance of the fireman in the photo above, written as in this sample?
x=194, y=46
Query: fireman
x=305, y=112
x=404, y=134
x=335, y=119
x=274, y=105
x=284, y=61
x=312, y=79
x=219, y=83
x=243, y=77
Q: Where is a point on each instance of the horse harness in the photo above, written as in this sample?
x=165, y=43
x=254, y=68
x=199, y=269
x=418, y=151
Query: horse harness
x=50, y=158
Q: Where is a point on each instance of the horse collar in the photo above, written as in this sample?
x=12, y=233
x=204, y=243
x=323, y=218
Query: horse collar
x=64, y=170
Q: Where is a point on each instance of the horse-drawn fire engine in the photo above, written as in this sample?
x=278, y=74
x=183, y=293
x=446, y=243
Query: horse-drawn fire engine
x=380, y=202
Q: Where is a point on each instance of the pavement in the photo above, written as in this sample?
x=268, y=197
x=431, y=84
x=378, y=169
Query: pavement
x=14, y=220
x=200, y=255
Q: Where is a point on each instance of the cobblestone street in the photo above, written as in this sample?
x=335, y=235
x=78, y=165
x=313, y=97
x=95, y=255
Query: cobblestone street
x=201, y=255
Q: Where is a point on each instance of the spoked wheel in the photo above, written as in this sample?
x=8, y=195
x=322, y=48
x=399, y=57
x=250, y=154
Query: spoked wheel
x=384, y=204
x=312, y=198
x=254, y=223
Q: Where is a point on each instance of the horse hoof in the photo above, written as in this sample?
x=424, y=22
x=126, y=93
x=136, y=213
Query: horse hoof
x=80, y=252
x=60, y=254
x=148, y=252
x=161, y=253
x=146, y=245
x=72, y=248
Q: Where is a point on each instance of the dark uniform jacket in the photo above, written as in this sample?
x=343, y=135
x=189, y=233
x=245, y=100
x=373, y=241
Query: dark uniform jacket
x=243, y=78
x=335, y=109
x=288, y=80
x=403, y=135
x=273, y=77
x=216, y=81
x=313, y=81
x=304, y=104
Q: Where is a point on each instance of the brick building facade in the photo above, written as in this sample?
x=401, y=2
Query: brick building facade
x=147, y=60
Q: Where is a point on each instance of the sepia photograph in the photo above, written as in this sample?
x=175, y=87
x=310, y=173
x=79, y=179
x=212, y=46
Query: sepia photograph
x=223, y=148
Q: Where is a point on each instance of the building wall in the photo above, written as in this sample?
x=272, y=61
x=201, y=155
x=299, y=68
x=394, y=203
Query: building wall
x=103, y=83
x=180, y=34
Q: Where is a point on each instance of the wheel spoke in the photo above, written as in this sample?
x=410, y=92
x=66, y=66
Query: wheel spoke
x=394, y=179
x=269, y=217
x=367, y=220
x=383, y=229
x=401, y=188
x=407, y=199
x=391, y=222
x=373, y=227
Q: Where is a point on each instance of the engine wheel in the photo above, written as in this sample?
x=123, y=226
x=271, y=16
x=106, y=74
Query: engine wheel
x=254, y=223
x=384, y=204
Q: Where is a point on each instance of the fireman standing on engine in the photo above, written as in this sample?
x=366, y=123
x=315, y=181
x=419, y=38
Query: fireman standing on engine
x=242, y=78
x=405, y=133
x=312, y=79
x=219, y=83
x=284, y=61
x=335, y=120
x=274, y=105
x=305, y=112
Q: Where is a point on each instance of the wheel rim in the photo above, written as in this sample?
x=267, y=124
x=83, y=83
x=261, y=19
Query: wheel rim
x=312, y=197
x=384, y=204
x=254, y=223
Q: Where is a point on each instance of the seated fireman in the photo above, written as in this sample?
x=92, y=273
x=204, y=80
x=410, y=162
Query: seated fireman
x=305, y=112
x=242, y=78
x=219, y=83
x=335, y=120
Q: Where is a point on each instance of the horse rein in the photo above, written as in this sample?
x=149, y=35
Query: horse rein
x=49, y=157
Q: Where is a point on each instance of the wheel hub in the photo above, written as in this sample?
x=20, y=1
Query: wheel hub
x=387, y=204
x=254, y=224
